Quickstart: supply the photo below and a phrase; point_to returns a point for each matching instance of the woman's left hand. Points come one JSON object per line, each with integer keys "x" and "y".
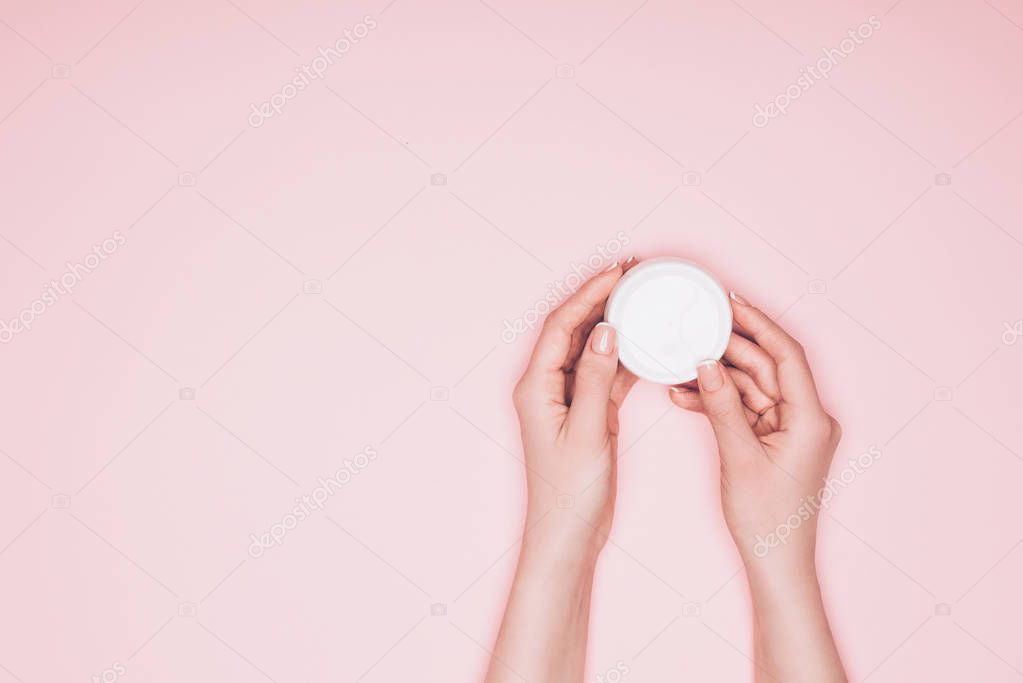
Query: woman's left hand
{"x": 567, "y": 401}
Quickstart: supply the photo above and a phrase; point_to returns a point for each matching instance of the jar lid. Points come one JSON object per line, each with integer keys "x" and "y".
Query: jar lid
{"x": 670, "y": 315}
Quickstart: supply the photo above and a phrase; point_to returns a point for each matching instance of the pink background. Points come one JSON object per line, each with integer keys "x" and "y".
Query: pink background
{"x": 127, "y": 510}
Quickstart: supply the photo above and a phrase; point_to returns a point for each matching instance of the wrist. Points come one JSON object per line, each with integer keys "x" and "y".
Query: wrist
{"x": 562, "y": 538}
{"x": 785, "y": 580}
{"x": 776, "y": 556}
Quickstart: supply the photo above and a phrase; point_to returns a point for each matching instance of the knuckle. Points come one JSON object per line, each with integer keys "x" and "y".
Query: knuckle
{"x": 520, "y": 392}
{"x": 552, "y": 321}
{"x": 836, "y": 429}
{"x": 795, "y": 349}
{"x": 821, "y": 427}
{"x": 559, "y": 318}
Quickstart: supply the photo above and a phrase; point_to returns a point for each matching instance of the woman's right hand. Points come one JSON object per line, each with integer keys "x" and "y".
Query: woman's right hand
{"x": 774, "y": 439}
{"x": 775, "y": 444}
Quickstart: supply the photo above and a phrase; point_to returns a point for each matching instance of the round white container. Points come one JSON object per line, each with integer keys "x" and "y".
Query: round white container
{"x": 670, "y": 315}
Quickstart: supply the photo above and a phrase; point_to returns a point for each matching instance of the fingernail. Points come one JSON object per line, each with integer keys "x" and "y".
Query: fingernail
{"x": 603, "y": 339}
{"x": 611, "y": 267}
{"x": 737, "y": 299}
{"x": 709, "y": 374}
{"x": 630, "y": 260}
{"x": 680, "y": 390}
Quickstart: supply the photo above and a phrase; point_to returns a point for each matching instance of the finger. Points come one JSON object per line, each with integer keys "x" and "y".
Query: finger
{"x": 554, "y": 342}
{"x": 580, "y": 336}
{"x": 582, "y": 332}
{"x": 754, "y": 362}
{"x": 795, "y": 381}
{"x": 544, "y": 379}
{"x": 686, "y": 397}
{"x": 594, "y": 378}
{"x": 753, "y": 397}
{"x": 624, "y": 381}
{"x": 689, "y": 399}
{"x": 727, "y": 415}
{"x": 754, "y": 400}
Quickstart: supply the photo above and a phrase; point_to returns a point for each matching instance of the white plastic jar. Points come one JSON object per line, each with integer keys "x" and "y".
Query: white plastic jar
{"x": 670, "y": 315}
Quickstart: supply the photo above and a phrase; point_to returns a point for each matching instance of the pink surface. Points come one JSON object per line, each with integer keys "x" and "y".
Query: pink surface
{"x": 279, "y": 297}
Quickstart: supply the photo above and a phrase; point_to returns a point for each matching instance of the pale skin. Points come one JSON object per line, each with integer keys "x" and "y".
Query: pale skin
{"x": 775, "y": 444}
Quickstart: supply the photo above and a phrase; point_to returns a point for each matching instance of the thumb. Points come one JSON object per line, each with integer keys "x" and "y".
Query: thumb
{"x": 724, "y": 408}
{"x": 594, "y": 377}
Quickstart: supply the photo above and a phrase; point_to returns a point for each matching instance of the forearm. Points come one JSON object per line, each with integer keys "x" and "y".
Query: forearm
{"x": 545, "y": 627}
{"x": 792, "y": 638}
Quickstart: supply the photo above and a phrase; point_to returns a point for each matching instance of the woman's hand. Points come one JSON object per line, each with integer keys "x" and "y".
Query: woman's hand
{"x": 775, "y": 443}
{"x": 774, "y": 437}
{"x": 567, "y": 402}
